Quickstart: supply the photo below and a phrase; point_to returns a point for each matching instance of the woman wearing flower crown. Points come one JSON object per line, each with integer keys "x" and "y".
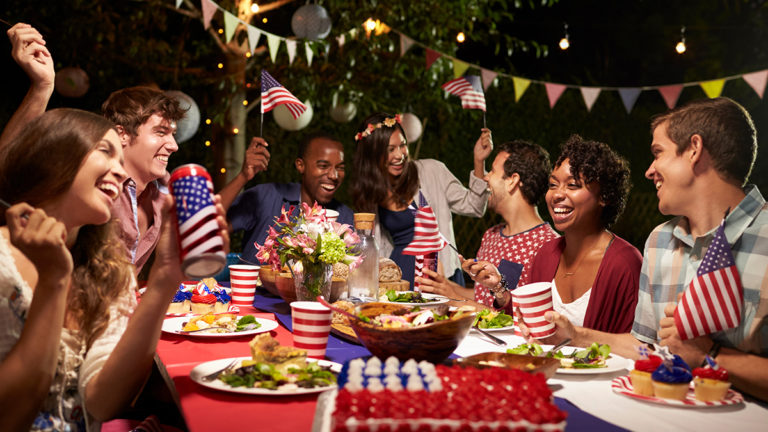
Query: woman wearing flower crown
{"x": 386, "y": 181}
{"x": 74, "y": 346}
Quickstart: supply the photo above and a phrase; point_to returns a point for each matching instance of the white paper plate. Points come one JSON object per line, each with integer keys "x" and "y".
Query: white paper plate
{"x": 623, "y": 386}
{"x": 613, "y": 364}
{"x": 206, "y": 368}
{"x": 434, "y": 299}
{"x": 174, "y": 326}
{"x": 499, "y": 329}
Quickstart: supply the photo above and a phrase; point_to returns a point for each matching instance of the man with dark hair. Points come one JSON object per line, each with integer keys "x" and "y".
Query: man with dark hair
{"x": 703, "y": 154}
{"x": 145, "y": 120}
{"x": 517, "y": 181}
{"x": 320, "y": 161}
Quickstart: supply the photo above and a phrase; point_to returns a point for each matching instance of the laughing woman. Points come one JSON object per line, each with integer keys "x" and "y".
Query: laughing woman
{"x": 594, "y": 273}
{"x": 386, "y": 181}
{"x": 74, "y": 346}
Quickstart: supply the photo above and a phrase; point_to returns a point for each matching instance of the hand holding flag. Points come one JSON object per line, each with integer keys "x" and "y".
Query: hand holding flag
{"x": 469, "y": 90}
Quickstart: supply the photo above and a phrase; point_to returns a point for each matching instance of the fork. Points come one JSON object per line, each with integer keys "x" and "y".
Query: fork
{"x": 202, "y": 329}
{"x": 213, "y": 375}
{"x": 492, "y": 338}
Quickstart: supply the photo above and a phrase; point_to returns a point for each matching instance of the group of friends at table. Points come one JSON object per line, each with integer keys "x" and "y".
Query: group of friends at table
{"x": 89, "y": 206}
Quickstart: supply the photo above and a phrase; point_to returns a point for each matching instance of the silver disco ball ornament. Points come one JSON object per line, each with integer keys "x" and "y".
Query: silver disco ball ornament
{"x": 311, "y": 22}
{"x": 187, "y": 127}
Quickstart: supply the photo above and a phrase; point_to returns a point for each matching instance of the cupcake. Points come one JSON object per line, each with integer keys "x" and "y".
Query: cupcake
{"x": 222, "y": 301}
{"x": 181, "y": 303}
{"x": 672, "y": 379}
{"x": 710, "y": 383}
{"x": 641, "y": 375}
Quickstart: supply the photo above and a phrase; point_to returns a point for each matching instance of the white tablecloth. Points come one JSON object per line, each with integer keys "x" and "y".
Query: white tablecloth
{"x": 593, "y": 394}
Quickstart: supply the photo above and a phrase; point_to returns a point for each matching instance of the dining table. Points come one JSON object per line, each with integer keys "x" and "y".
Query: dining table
{"x": 590, "y": 401}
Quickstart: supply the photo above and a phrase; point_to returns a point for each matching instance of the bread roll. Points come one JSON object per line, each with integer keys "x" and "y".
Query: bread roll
{"x": 389, "y": 271}
{"x": 340, "y": 271}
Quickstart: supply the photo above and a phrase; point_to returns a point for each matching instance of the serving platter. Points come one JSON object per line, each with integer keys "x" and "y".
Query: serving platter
{"x": 623, "y": 386}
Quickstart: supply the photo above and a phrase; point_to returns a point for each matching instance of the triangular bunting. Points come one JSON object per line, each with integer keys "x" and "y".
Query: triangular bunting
{"x": 670, "y": 94}
{"x": 488, "y": 76}
{"x": 254, "y": 35}
{"x": 290, "y": 45}
{"x": 209, "y": 8}
{"x": 405, "y": 44}
{"x": 459, "y": 67}
{"x": 713, "y": 88}
{"x": 554, "y": 91}
{"x": 629, "y": 96}
{"x": 757, "y": 80}
{"x": 521, "y": 85}
{"x": 590, "y": 94}
{"x": 308, "y": 50}
{"x": 230, "y": 24}
{"x": 273, "y": 42}
{"x": 178, "y": 3}
{"x": 341, "y": 39}
{"x": 431, "y": 57}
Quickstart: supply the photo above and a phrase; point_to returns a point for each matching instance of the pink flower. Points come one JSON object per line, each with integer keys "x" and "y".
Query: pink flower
{"x": 285, "y": 215}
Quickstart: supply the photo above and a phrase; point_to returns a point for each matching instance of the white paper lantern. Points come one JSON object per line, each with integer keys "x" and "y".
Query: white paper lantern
{"x": 412, "y": 127}
{"x": 343, "y": 112}
{"x": 285, "y": 120}
{"x": 187, "y": 127}
{"x": 71, "y": 82}
{"x": 312, "y": 22}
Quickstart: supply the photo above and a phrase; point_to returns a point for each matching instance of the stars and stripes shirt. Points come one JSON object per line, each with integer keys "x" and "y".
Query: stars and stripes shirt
{"x": 519, "y": 248}
{"x": 672, "y": 257}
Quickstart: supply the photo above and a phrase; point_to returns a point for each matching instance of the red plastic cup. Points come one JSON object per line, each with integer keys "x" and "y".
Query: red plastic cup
{"x": 243, "y": 279}
{"x": 311, "y": 327}
{"x": 534, "y": 300}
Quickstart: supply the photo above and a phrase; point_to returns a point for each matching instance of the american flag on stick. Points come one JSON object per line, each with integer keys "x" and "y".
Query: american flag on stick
{"x": 274, "y": 94}
{"x": 426, "y": 239}
{"x": 713, "y": 300}
{"x": 469, "y": 90}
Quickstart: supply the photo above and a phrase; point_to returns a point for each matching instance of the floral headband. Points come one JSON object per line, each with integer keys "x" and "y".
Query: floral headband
{"x": 388, "y": 122}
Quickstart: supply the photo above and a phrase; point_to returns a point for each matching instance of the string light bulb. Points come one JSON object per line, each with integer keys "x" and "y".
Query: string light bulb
{"x": 565, "y": 42}
{"x": 680, "y": 47}
{"x": 370, "y": 25}
{"x": 207, "y": 143}
{"x": 235, "y": 131}
{"x": 223, "y": 170}
{"x": 460, "y": 38}
{"x": 254, "y": 8}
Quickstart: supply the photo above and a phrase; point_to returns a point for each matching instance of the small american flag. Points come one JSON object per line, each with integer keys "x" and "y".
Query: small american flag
{"x": 713, "y": 300}
{"x": 469, "y": 90}
{"x": 273, "y": 94}
{"x": 426, "y": 236}
{"x": 198, "y": 229}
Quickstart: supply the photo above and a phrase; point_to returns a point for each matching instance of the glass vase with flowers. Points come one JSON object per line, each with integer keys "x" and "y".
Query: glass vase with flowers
{"x": 309, "y": 244}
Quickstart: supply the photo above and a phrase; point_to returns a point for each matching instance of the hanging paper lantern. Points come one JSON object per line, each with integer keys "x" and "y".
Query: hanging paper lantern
{"x": 285, "y": 120}
{"x": 187, "y": 127}
{"x": 343, "y": 112}
{"x": 71, "y": 82}
{"x": 312, "y": 22}
{"x": 412, "y": 127}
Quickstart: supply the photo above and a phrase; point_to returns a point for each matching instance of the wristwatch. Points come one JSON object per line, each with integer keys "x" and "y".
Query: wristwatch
{"x": 498, "y": 292}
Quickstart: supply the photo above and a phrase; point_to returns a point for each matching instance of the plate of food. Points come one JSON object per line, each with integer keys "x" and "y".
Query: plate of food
{"x": 340, "y": 323}
{"x": 490, "y": 320}
{"x": 218, "y": 325}
{"x": 597, "y": 359}
{"x": 623, "y": 386}
{"x": 413, "y": 298}
{"x": 272, "y": 369}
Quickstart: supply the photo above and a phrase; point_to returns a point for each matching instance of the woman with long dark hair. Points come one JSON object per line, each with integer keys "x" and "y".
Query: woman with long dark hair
{"x": 386, "y": 181}
{"x": 73, "y": 341}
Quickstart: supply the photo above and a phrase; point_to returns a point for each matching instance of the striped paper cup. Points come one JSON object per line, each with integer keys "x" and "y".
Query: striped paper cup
{"x": 534, "y": 300}
{"x": 311, "y": 326}
{"x": 243, "y": 279}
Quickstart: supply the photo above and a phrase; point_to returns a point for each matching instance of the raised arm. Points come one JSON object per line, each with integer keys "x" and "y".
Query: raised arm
{"x": 29, "y": 51}
{"x": 30, "y": 365}
{"x": 483, "y": 148}
{"x": 256, "y": 160}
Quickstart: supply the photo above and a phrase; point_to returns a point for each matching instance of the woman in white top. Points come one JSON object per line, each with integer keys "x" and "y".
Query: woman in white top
{"x": 74, "y": 346}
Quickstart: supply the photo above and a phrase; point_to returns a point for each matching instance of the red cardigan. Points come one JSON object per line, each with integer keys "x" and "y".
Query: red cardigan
{"x": 613, "y": 298}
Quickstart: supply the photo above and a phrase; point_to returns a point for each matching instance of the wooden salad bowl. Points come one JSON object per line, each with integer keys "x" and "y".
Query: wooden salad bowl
{"x": 433, "y": 342}
{"x": 285, "y": 287}
{"x": 268, "y": 279}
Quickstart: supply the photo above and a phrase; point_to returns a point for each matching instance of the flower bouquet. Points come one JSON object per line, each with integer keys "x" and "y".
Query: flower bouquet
{"x": 310, "y": 244}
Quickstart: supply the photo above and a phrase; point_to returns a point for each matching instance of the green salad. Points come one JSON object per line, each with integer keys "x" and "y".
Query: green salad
{"x": 248, "y": 322}
{"x": 593, "y": 357}
{"x": 264, "y": 375}
{"x": 489, "y": 319}
{"x": 405, "y": 297}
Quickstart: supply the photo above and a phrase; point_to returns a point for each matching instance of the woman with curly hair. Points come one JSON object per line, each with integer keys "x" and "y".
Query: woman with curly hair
{"x": 594, "y": 273}
{"x": 386, "y": 181}
{"x": 73, "y": 342}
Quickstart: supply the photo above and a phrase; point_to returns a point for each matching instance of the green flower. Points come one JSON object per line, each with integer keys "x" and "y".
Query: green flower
{"x": 332, "y": 248}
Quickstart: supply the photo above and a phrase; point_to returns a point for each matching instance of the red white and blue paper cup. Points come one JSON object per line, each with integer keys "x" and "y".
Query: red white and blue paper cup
{"x": 243, "y": 279}
{"x": 200, "y": 245}
{"x": 311, "y": 326}
{"x": 534, "y": 300}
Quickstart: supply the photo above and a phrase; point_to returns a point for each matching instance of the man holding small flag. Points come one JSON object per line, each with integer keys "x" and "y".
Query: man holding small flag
{"x": 704, "y": 280}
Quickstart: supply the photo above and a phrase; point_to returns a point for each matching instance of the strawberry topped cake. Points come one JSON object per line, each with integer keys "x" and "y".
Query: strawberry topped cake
{"x": 710, "y": 383}
{"x": 410, "y": 396}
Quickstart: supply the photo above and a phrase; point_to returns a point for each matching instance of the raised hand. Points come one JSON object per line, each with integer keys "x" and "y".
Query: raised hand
{"x": 29, "y": 51}
{"x": 484, "y": 145}
{"x": 41, "y": 238}
{"x": 256, "y": 158}
{"x": 482, "y": 272}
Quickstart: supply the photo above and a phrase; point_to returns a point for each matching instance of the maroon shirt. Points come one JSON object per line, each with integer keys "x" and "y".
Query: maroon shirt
{"x": 612, "y": 302}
